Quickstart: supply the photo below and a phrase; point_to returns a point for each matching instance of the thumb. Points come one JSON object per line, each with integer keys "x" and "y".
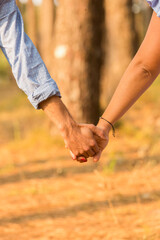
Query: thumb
{"x": 97, "y": 156}
{"x": 72, "y": 155}
{"x": 96, "y": 130}
{"x": 79, "y": 159}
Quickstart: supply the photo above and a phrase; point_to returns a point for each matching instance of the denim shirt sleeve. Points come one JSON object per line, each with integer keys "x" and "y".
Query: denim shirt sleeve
{"x": 27, "y": 66}
{"x": 155, "y": 5}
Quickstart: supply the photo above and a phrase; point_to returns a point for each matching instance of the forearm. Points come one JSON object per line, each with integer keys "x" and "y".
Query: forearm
{"x": 140, "y": 74}
{"x": 58, "y": 114}
{"x": 133, "y": 84}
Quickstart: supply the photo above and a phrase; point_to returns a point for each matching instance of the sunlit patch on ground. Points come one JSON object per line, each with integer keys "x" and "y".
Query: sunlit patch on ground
{"x": 45, "y": 195}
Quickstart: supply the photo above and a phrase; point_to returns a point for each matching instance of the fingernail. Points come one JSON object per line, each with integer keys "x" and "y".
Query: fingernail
{"x": 83, "y": 159}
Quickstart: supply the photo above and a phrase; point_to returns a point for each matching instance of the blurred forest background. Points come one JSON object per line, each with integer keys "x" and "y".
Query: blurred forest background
{"x": 86, "y": 46}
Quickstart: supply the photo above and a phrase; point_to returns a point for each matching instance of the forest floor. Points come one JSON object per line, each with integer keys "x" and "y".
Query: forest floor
{"x": 44, "y": 195}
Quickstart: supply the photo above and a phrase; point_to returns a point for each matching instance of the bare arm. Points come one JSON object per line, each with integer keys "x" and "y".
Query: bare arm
{"x": 78, "y": 138}
{"x": 140, "y": 74}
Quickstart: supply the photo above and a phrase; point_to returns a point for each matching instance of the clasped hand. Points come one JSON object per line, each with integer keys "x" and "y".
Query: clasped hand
{"x": 86, "y": 140}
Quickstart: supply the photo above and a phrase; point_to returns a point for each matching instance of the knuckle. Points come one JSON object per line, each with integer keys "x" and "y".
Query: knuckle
{"x": 92, "y": 144}
{"x": 81, "y": 152}
{"x": 86, "y": 149}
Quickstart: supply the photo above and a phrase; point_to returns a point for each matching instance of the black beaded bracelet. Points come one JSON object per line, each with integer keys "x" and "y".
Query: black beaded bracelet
{"x": 113, "y": 129}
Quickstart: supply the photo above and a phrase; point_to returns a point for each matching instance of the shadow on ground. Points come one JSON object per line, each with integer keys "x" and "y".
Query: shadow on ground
{"x": 121, "y": 200}
{"x": 120, "y": 165}
{"x": 47, "y": 173}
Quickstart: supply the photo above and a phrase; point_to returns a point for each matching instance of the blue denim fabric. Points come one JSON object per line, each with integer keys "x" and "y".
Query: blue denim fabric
{"x": 27, "y": 66}
{"x": 155, "y": 5}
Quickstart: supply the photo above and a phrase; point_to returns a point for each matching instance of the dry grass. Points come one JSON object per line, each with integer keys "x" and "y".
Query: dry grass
{"x": 45, "y": 195}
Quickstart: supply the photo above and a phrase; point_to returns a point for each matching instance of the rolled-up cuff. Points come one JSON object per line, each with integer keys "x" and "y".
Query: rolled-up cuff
{"x": 43, "y": 92}
{"x": 155, "y": 5}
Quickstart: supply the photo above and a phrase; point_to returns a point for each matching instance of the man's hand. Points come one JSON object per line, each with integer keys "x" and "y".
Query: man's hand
{"x": 78, "y": 138}
{"x": 81, "y": 141}
{"x": 101, "y": 135}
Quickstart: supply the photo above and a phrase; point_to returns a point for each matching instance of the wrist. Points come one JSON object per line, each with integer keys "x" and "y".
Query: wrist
{"x": 106, "y": 127}
{"x": 66, "y": 127}
{"x": 58, "y": 113}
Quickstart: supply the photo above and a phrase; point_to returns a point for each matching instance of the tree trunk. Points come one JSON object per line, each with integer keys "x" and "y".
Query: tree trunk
{"x": 46, "y": 31}
{"x": 31, "y": 21}
{"x": 79, "y": 55}
{"x": 120, "y": 43}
